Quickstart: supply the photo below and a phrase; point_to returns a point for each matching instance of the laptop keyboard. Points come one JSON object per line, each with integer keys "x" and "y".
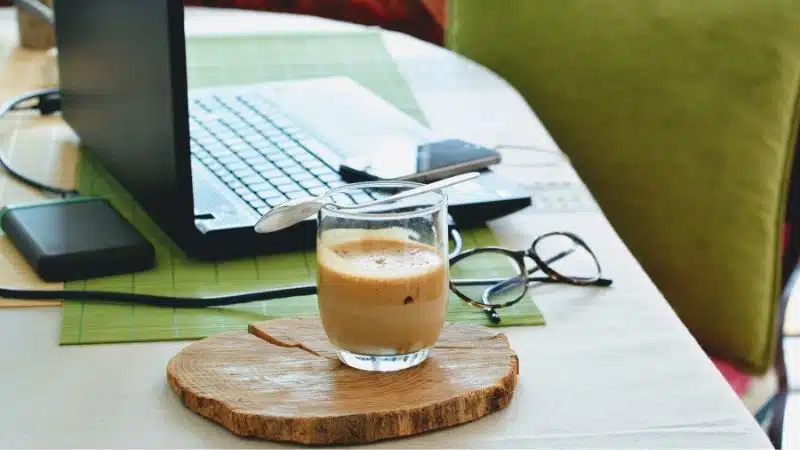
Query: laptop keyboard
{"x": 257, "y": 151}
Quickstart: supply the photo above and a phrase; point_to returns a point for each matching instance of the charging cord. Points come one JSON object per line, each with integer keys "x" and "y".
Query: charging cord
{"x": 164, "y": 301}
{"x": 46, "y": 101}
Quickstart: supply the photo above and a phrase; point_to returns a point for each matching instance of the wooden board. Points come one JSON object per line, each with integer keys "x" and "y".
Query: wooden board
{"x": 282, "y": 381}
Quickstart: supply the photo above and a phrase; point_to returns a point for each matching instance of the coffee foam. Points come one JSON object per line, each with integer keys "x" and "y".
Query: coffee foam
{"x": 379, "y": 257}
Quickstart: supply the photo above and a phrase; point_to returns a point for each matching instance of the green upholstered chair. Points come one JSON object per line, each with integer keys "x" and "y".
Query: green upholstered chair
{"x": 681, "y": 117}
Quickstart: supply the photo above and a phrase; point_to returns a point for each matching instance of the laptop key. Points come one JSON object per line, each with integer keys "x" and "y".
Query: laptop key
{"x": 267, "y": 194}
{"x": 296, "y": 194}
{"x": 308, "y": 184}
{"x": 206, "y": 139}
{"x": 251, "y": 179}
{"x": 269, "y": 130}
{"x": 290, "y": 187}
{"x": 264, "y": 209}
{"x": 291, "y": 164}
{"x": 284, "y": 164}
{"x": 220, "y": 153}
{"x": 295, "y": 170}
{"x": 311, "y": 163}
{"x": 329, "y": 176}
{"x": 281, "y": 180}
{"x": 242, "y": 173}
{"x": 267, "y": 170}
{"x": 251, "y": 133}
{"x": 281, "y": 140}
{"x": 239, "y": 147}
{"x": 318, "y": 190}
{"x": 238, "y": 124}
{"x": 301, "y": 176}
{"x": 257, "y": 203}
{"x": 249, "y": 197}
{"x": 275, "y": 201}
{"x": 255, "y": 187}
{"x": 249, "y": 154}
{"x": 224, "y": 153}
{"x": 236, "y": 165}
{"x": 258, "y": 141}
{"x": 321, "y": 171}
{"x": 280, "y": 157}
{"x": 256, "y": 163}
{"x": 296, "y": 153}
{"x": 224, "y": 134}
{"x": 266, "y": 148}
{"x": 305, "y": 156}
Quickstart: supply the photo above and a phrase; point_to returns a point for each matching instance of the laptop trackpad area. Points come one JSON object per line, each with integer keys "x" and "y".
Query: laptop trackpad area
{"x": 349, "y": 118}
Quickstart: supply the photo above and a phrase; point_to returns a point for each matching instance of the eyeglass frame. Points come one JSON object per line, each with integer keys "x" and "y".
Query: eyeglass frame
{"x": 552, "y": 276}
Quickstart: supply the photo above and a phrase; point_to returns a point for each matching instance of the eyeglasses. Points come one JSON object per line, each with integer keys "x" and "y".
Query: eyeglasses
{"x": 502, "y": 276}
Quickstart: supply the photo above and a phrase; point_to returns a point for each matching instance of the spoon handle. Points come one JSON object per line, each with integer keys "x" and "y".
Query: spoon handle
{"x": 417, "y": 190}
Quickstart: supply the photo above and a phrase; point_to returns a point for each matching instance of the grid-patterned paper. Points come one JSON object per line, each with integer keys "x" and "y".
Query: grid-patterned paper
{"x": 227, "y": 60}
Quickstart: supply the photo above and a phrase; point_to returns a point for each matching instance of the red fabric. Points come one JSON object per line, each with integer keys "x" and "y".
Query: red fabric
{"x": 738, "y": 381}
{"x": 423, "y": 19}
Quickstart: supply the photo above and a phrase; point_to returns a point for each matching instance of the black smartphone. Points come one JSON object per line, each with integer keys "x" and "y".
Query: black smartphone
{"x": 428, "y": 162}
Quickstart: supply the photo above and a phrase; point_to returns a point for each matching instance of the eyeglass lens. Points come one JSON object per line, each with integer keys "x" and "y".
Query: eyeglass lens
{"x": 576, "y": 262}
{"x": 510, "y": 282}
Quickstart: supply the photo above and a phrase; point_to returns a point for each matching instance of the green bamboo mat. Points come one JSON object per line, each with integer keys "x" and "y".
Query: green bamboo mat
{"x": 229, "y": 60}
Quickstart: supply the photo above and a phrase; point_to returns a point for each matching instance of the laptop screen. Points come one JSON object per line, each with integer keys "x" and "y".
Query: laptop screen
{"x": 123, "y": 81}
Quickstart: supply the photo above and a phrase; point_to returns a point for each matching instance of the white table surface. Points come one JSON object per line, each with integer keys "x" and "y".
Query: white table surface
{"x": 613, "y": 368}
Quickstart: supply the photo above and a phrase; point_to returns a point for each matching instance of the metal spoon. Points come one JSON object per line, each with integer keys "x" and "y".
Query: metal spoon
{"x": 296, "y": 210}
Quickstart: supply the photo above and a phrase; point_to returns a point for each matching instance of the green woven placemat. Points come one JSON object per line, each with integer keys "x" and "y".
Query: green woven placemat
{"x": 227, "y": 60}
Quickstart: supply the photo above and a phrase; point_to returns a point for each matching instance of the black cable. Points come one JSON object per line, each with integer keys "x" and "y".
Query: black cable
{"x": 46, "y": 101}
{"x": 159, "y": 300}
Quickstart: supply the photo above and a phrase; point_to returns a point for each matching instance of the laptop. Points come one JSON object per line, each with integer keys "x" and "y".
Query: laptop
{"x": 206, "y": 164}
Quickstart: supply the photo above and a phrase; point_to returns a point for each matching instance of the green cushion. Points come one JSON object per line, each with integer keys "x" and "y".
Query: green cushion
{"x": 681, "y": 118}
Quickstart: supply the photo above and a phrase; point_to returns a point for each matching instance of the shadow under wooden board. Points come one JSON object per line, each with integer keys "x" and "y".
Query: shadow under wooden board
{"x": 245, "y": 59}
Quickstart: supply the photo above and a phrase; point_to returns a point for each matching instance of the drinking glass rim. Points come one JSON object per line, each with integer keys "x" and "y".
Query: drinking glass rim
{"x": 355, "y": 214}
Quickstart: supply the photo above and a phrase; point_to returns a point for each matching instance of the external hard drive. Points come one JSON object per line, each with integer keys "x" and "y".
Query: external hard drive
{"x": 76, "y": 238}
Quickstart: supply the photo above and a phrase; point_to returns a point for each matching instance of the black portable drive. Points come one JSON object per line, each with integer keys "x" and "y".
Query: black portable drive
{"x": 76, "y": 238}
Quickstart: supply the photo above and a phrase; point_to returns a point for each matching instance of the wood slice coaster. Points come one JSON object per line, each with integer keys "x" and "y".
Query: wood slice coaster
{"x": 282, "y": 381}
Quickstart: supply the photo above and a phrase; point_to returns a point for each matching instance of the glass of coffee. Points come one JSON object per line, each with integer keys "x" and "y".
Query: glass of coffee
{"x": 382, "y": 275}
